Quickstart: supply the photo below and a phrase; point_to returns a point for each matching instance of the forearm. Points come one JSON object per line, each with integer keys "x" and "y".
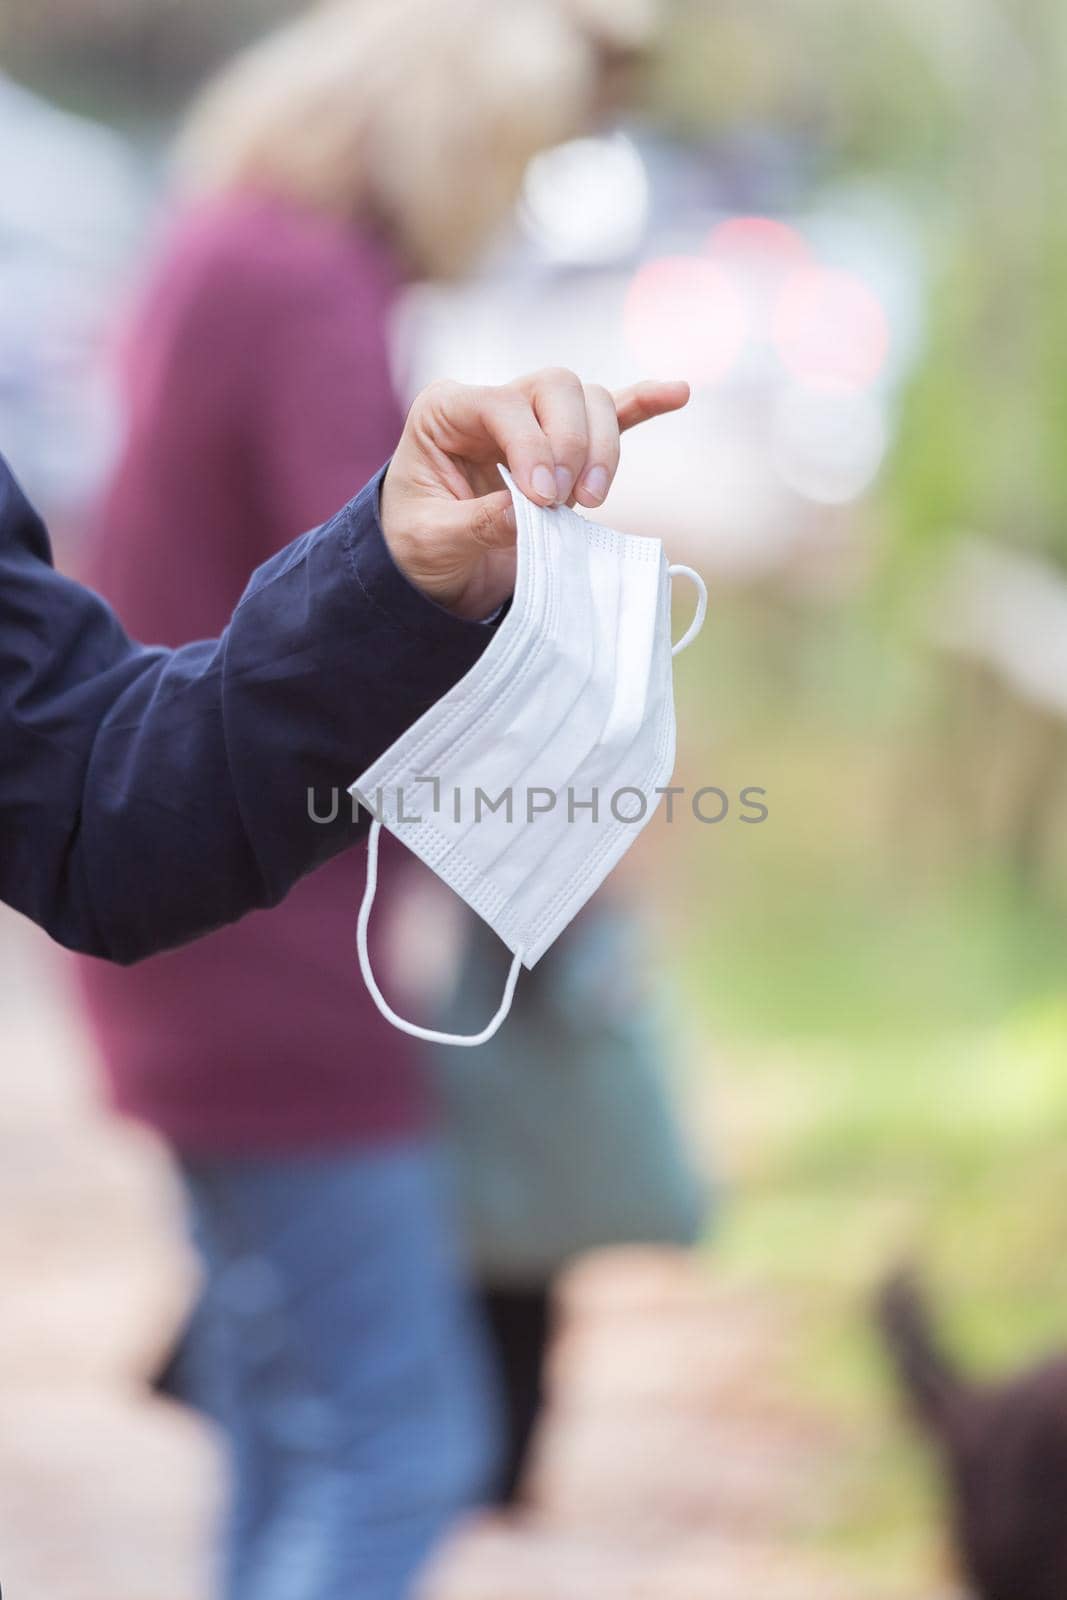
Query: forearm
{"x": 147, "y": 796}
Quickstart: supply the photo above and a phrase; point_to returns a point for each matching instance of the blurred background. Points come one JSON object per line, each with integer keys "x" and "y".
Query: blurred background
{"x": 838, "y": 221}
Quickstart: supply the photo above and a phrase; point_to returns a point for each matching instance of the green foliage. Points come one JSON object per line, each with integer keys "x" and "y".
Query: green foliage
{"x": 889, "y": 1046}
{"x": 859, "y": 80}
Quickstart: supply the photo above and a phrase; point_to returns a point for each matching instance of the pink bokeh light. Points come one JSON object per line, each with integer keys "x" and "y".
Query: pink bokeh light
{"x": 685, "y": 317}
{"x": 830, "y": 328}
{"x": 769, "y": 245}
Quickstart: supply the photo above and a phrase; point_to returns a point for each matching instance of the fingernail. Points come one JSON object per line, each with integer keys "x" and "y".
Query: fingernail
{"x": 564, "y": 485}
{"x": 543, "y": 481}
{"x": 595, "y": 482}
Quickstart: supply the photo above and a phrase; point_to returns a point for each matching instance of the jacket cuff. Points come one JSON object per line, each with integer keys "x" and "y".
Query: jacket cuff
{"x": 385, "y": 587}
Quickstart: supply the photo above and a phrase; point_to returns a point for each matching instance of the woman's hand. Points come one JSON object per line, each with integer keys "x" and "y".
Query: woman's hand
{"x": 448, "y": 521}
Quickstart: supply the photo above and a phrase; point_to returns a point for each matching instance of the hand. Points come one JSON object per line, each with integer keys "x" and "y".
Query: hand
{"x": 447, "y": 518}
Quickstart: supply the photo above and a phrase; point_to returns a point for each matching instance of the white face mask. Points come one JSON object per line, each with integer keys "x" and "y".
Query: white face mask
{"x": 565, "y": 725}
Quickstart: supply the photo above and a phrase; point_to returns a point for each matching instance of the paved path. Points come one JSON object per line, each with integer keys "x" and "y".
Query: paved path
{"x": 671, "y": 1469}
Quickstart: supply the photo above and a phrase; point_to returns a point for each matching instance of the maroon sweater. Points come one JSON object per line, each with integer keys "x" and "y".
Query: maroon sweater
{"x": 258, "y": 400}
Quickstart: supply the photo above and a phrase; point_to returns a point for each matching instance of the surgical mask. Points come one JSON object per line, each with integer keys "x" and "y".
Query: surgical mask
{"x": 529, "y": 780}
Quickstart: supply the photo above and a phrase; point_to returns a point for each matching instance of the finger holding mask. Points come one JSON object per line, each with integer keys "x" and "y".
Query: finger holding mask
{"x": 450, "y": 524}
{"x": 525, "y": 784}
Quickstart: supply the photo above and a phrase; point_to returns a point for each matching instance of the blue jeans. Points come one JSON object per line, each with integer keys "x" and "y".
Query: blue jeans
{"x": 335, "y": 1344}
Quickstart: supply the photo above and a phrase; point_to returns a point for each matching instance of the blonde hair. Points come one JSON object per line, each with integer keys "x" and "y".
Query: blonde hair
{"x": 420, "y": 113}
{"x": 617, "y": 24}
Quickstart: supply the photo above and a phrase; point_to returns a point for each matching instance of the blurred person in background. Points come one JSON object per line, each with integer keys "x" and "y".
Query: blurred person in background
{"x": 334, "y": 1338}
{"x": 623, "y": 35}
{"x": 561, "y": 1134}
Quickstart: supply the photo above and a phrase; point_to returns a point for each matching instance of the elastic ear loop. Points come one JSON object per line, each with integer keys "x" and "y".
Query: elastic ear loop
{"x": 678, "y": 571}
{"x": 430, "y": 1034}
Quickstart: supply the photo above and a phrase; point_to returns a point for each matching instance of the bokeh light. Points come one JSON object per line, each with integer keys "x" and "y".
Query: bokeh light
{"x": 685, "y": 317}
{"x": 830, "y": 328}
{"x": 827, "y": 444}
{"x": 586, "y": 201}
{"x": 759, "y": 243}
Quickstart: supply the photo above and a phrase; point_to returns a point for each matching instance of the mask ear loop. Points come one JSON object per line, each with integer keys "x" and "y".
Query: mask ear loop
{"x": 430, "y": 1034}
{"x": 679, "y": 571}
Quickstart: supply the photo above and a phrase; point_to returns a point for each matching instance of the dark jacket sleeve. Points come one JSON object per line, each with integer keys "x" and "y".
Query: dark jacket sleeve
{"x": 147, "y": 795}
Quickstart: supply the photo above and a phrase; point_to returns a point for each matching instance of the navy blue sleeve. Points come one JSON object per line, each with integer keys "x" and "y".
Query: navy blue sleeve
{"x": 148, "y": 795}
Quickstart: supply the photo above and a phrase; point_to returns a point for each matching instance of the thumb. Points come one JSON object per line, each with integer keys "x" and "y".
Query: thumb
{"x": 488, "y": 521}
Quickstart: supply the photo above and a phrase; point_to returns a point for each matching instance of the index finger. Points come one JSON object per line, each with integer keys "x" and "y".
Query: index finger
{"x": 643, "y": 401}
